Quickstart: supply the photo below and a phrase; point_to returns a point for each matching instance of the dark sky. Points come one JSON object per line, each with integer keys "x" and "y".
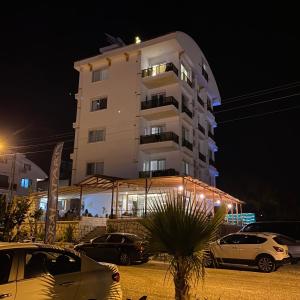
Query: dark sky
{"x": 249, "y": 48}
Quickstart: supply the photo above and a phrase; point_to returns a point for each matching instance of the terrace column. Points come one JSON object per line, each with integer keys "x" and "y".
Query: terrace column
{"x": 80, "y": 200}
{"x": 117, "y": 199}
{"x": 146, "y": 194}
{"x": 237, "y": 213}
{"x": 112, "y": 201}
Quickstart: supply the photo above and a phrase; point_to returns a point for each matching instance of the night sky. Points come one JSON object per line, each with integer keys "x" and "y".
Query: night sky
{"x": 248, "y": 48}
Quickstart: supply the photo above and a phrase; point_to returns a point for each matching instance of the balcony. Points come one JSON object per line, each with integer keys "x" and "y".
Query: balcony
{"x": 201, "y": 102}
{"x": 187, "y": 144}
{"x": 162, "y": 142}
{"x": 202, "y": 157}
{"x": 186, "y": 110}
{"x": 158, "y": 173}
{"x": 212, "y": 163}
{"x": 186, "y": 79}
{"x": 160, "y": 75}
{"x": 210, "y": 109}
{"x": 201, "y": 128}
{"x": 211, "y": 135}
{"x": 160, "y": 107}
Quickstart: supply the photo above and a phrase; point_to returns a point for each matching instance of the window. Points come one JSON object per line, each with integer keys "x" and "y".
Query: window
{"x": 158, "y": 96}
{"x": 96, "y": 135}
{"x": 42, "y": 262}
{"x": 99, "y": 104}
{"x": 185, "y": 133}
{"x": 185, "y": 167}
{"x": 26, "y": 183}
{"x": 157, "y": 129}
{"x": 232, "y": 239}
{"x": 99, "y": 75}
{"x": 115, "y": 238}
{"x": 100, "y": 239}
{"x": 158, "y": 69}
{"x": 94, "y": 168}
{"x": 186, "y": 74}
{"x": 5, "y": 263}
{"x": 154, "y": 165}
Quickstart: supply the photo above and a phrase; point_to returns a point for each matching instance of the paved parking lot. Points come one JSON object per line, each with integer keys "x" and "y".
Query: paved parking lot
{"x": 150, "y": 279}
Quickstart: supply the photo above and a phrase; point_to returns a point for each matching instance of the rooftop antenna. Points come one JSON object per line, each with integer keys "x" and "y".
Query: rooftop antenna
{"x": 114, "y": 42}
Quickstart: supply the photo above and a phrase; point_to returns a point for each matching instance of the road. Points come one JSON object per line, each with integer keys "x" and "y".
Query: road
{"x": 151, "y": 279}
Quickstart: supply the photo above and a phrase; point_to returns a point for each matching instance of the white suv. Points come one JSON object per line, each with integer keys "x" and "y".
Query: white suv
{"x": 260, "y": 249}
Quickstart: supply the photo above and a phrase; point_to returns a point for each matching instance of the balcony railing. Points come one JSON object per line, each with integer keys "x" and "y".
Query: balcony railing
{"x": 200, "y": 101}
{"x": 202, "y": 157}
{"x": 158, "y": 173}
{"x": 209, "y": 108}
{"x": 186, "y": 79}
{"x": 187, "y": 111}
{"x": 159, "y": 101}
{"x": 159, "y": 69}
{"x": 210, "y": 135}
{"x": 212, "y": 163}
{"x": 160, "y": 137}
{"x": 187, "y": 144}
{"x": 201, "y": 128}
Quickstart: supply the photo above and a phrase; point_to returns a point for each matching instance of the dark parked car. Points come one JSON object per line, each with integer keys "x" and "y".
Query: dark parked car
{"x": 121, "y": 248}
{"x": 288, "y": 228}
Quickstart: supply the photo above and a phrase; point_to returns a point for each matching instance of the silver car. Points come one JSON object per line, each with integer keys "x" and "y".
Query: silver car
{"x": 43, "y": 272}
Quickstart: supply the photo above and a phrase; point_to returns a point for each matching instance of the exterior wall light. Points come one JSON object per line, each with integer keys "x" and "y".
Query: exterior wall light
{"x": 137, "y": 40}
{"x": 229, "y": 205}
{"x": 180, "y": 188}
{"x": 202, "y": 196}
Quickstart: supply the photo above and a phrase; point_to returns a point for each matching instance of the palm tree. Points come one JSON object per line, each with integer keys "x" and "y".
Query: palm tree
{"x": 183, "y": 230}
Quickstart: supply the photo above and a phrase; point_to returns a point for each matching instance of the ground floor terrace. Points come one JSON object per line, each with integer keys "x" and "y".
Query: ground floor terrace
{"x": 114, "y": 198}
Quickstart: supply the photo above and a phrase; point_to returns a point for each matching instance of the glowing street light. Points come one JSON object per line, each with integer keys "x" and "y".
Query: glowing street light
{"x": 137, "y": 40}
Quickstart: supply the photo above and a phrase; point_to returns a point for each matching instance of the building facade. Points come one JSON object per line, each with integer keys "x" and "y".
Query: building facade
{"x": 19, "y": 175}
{"x": 146, "y": 110}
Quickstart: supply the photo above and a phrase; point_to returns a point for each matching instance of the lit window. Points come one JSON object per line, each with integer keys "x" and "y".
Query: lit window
{"x": 154, "y": 165}
{"x": 98, "y": 104}
{"x": 185, "y": 167}
{"x": 186, "y": 74}
{"x": 94, "y": 168}
{"x": 26, "y": 183}
{"x": 96, "y": 135}
{"x": 157, "y": 129}
{"x": 99, "y": 75}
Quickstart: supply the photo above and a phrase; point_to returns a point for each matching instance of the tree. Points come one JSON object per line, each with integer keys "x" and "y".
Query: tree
{"x": 182, "y": 230}
{"x": 12, "y": 215}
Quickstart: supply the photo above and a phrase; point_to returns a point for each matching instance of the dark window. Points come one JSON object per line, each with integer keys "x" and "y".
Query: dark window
{"x": 232, "y": 239}
{"x": 42, "y": 262}
{"x": 98, "y": 104}
{"x": 252, "y": 239}
{"x": 5, "y": 266}
{"x": 100, "y": 239}
{"x": 284, "y": 240}
{"x": 115, "y": 238}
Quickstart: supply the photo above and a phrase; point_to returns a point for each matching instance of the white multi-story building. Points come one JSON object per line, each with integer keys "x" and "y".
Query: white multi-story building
{"x": 146, "y": 109}
{"x": 18, "y": 175}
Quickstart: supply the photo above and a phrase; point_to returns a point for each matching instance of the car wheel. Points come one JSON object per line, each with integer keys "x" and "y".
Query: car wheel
{"x": 209, "y": 261}
{"x": 266, "y": 264}
{"x": 124, "y": 259}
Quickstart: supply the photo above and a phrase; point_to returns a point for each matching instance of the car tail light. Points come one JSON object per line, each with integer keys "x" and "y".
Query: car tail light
{"x": 278, "y": 249}
{"x": 116, "y": 277}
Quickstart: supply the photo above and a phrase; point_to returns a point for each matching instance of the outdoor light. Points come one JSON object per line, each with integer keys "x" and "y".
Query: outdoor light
{"x": 218, "y": 202}
{"x": 229, "y": 205}
{"x": 137, "y": 40}
{"x": 202, "y": 196}
{"x": 180, "y": 188}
